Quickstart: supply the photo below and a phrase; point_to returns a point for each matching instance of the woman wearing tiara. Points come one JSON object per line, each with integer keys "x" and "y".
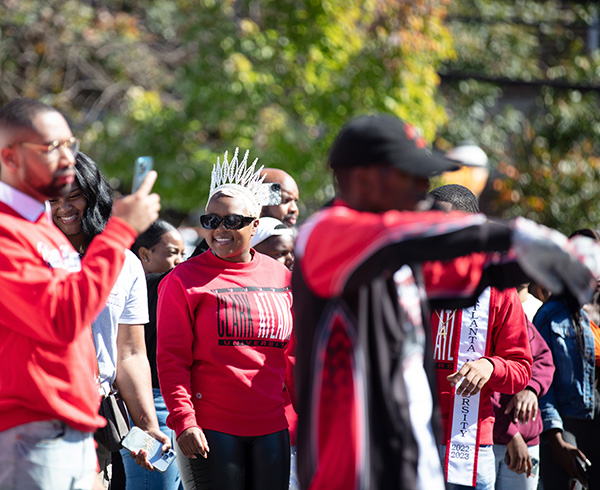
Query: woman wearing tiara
{"x": 224, "y": 322}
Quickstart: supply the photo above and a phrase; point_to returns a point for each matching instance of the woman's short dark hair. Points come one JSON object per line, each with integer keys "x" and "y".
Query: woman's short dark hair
{"x": 461, "y": 198}
{"x": 97, "y": 193}
{"x": 152, "y": 235}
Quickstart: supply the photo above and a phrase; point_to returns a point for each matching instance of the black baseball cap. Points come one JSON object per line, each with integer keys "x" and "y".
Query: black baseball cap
{"x": 386, "y": 139}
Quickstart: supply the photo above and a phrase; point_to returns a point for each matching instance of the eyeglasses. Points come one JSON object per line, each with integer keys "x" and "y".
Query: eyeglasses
{"x": 72, "y": 144}
{"x": 230, "y": 222}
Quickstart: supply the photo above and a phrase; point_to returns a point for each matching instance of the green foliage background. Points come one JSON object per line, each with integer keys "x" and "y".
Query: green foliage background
{"x": 545, "y": 154}
{"x": 185, "y": 80}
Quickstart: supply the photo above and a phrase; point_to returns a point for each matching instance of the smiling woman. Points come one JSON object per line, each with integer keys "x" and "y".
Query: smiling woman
{"x": 118, "y": 330}
{"x": 84, "y": 212}
{"x": 230, "y": 243}
{"x": 224, "y": 325}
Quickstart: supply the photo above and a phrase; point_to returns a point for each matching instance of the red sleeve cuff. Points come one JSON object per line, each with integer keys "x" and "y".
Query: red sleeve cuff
{"x": 183, "y": 422}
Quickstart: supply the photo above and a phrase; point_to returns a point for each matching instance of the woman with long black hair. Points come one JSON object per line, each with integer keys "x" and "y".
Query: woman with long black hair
{"x": 118, "y": 330}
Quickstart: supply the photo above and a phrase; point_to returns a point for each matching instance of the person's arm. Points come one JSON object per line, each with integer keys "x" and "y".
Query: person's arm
{"x": 543, "y": 365}
{"x": 511, "y": 355}
{"x": 525, "y": 403}
{"x": 133, "y": 376}
{"x": 68, "y": 301}
{"x": 65, "y": 302}
{"x": 565, "y": 453}
{"x": 135, "y": 385}
{"x": 519, "y": 460}
{"x": 547, "y": 403}
{"x": 384, "y": 242}
{"x": 506, "y": 431}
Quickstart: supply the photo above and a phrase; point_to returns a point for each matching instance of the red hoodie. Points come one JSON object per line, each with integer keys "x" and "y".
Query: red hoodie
{"x": 222, "y": 329}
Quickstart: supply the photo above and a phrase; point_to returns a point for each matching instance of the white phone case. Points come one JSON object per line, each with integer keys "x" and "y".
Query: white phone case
{"x": 137, "y": 439}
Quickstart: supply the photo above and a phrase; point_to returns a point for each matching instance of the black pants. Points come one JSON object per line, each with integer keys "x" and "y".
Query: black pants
{"x": 239, "y": 463}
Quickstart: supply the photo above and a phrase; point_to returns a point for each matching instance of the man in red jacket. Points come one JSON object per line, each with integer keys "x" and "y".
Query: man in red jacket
{"x": 48, "y": 394}
{"x": 363, "y": 356}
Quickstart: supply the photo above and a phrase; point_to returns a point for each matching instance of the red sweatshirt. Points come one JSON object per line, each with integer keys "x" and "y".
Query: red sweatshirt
{"x": 507, "y": 349}
{"x": 48, "y": 300}
{"x": 222, "y": 331}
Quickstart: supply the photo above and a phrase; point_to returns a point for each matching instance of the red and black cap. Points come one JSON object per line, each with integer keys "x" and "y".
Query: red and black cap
{"x": 386, "y": 140}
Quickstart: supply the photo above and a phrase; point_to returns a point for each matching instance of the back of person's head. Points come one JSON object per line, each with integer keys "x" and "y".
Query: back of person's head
{"x": 384, "y": 139}
{"x": 152, "y": 235}
{"x": 458, "y": 196}
{"x": 97, "y": 193}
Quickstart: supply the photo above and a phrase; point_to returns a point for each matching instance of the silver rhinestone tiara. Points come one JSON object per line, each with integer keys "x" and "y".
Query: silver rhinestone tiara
{"x": 238, "y": 175}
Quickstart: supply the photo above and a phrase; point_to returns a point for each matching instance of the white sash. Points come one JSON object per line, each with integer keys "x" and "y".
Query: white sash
{"x": 462, "y": 451}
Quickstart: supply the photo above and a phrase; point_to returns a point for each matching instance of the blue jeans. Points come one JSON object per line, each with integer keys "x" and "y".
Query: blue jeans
{"x": 136, "y": 477}
{"x": 486, "y": 470}
{"x": 46, "y": 455}
{"x": 509, "y": 480}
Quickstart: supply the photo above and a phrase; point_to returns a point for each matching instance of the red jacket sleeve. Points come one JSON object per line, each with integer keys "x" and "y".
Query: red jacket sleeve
{"x": 348, "y": 247}
{"x": 510, "y": 354}
{"x": 65, "y": 302}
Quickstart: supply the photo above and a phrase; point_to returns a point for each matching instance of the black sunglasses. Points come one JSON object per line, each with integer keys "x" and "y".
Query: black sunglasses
{"x": 230, "y": 222}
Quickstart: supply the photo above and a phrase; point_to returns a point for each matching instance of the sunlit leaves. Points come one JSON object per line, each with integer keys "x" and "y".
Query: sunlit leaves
{"x": 543, "y": 143}
{"x": 185, "y": 80}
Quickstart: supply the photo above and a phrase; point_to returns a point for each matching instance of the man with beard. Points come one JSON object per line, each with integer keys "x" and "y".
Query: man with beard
{"x": 48, "y": 395}
{"x": 287, "y": 211}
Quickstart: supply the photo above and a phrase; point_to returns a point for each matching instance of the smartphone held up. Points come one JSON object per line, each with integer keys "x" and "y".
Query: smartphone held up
{"x": 143, "y": 165}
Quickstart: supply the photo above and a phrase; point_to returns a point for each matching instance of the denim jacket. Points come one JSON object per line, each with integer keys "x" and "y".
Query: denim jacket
{"x": 571, "y": 394}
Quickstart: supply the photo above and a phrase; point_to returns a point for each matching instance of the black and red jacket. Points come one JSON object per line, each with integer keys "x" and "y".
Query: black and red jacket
{"x": 352, "y": 331}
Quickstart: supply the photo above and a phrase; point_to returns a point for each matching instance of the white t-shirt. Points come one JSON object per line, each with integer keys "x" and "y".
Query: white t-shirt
{"x": 127, "y": 304}
{"x": 531, "y": 305}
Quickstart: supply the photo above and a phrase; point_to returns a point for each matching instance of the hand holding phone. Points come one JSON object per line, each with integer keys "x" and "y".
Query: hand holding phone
{"x": 136, "y": 440}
